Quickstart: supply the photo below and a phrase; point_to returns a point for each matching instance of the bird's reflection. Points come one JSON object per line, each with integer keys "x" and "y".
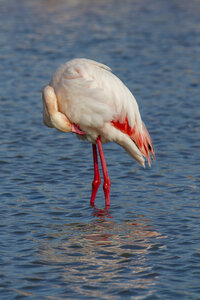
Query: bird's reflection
{"x": 102, "y": 250}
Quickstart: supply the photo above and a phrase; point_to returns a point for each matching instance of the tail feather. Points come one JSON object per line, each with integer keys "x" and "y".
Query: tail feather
{"x": 141, "y": 138}
{"x": 143, "y": 141}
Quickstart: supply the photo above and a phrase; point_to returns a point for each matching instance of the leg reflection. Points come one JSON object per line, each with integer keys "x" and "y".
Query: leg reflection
{"x": 101, "y": 213}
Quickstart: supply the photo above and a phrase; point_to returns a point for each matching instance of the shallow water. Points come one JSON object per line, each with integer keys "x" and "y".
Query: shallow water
{"x": 53, "y": 245}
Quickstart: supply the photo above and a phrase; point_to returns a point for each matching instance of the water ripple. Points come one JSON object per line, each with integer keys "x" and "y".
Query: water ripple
{"x": 53, "y": 245}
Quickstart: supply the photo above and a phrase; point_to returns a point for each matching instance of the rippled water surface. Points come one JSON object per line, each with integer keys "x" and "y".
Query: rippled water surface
{"x": 53, "y": 245}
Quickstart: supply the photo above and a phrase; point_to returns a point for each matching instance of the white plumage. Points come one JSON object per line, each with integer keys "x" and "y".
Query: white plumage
{"x": 87, "y": 94}
{"x": 93, "y": 95}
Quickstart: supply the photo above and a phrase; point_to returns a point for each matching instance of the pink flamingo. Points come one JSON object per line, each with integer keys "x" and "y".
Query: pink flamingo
{"x": 86, "y": 98}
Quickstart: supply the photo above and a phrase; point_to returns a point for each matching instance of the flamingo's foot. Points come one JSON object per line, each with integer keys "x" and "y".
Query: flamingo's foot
{"x": 101, "y": 212}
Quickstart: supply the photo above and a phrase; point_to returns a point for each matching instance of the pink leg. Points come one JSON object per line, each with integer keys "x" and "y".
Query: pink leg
{"x": 97, "y": 179}
{"x": 77, "y": 130}
{"x": 107, "y": 183}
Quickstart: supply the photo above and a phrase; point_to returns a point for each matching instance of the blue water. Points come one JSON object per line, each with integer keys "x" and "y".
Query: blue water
{"x": 53, "y": 245}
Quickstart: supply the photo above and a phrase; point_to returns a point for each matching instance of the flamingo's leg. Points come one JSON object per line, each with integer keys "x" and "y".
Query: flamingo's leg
{"x": 107, "y": 183}
{"x": 97, "y": 179}
{"x": 77, "y": 130}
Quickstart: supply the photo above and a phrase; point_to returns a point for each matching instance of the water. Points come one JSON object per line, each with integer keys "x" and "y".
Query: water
{"x": 53, "y": 245}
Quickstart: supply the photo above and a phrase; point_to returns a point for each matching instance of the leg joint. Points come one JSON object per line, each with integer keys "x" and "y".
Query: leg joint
{"x": 107, "y": 185}
{"x": 96, "y": 182}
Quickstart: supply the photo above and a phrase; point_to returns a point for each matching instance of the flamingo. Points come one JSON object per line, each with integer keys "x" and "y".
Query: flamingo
{"x": 86, "y": 98}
